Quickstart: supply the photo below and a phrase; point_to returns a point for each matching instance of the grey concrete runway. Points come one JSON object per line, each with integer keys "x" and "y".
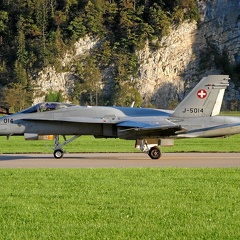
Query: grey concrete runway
{"x": 120, "y": 160}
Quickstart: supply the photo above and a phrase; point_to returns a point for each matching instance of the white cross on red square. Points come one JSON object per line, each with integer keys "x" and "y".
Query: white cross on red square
{"x": 201, "y": 93}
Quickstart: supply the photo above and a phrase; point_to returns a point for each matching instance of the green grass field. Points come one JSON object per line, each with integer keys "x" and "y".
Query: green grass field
{"x": 17, "y": 144}
{"x": 120, "y": 204}
{"x": 141, "y": 203}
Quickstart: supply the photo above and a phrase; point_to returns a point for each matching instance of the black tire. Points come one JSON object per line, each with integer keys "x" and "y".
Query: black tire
{"x": 58, "y": 153}
{"x": 155, "y": 153}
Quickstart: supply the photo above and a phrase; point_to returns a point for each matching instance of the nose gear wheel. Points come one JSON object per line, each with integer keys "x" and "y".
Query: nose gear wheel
{"x": 58, "y": 153}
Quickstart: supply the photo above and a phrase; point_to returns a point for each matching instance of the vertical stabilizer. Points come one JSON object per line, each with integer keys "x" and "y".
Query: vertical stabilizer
{"x": 205, "y": 99}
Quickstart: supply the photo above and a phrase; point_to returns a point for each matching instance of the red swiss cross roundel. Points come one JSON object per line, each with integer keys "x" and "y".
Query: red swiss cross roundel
{"x": 201, "y": 93}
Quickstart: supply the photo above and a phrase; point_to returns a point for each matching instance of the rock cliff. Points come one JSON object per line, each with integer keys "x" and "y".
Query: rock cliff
{"x": 183, "y": 57}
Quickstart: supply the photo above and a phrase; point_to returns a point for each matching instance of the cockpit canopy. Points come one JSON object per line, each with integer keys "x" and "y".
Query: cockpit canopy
{"x": 46, "y": 106}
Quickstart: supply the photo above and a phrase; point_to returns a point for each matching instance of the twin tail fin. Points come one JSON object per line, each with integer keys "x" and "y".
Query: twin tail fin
{"x": 205, "y": 99}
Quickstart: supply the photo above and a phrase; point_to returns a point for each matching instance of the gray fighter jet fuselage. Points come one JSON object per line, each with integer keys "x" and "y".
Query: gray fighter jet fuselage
{"x": 195, "y": 116}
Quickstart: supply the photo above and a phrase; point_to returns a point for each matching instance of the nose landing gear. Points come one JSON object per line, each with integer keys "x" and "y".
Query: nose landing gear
{"x": 58, "y": 151}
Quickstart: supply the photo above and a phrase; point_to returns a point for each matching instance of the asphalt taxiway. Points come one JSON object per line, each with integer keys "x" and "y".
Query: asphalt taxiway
{"x": 120, "y": 160}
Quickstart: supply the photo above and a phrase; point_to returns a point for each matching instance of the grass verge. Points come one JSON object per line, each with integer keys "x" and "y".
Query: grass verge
{"x": 17, "y": 144}
{"x": 119, "y": 204}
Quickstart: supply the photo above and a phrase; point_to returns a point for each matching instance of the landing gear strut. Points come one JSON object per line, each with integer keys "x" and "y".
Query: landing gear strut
{"x": 58, "y": 151}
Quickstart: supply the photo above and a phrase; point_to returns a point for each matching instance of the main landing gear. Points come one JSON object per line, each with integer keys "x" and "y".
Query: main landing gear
{"x": 155, "y": 153}
{"x": 58, "y": 151}
{"x": 152, "y": 150}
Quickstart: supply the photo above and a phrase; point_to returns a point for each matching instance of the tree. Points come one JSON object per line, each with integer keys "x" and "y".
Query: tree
{"x": 125, "y": 94}
{"x": 3, "y": 24}
{"x": 76, "y": 93}
{"x": 110, "y": 15}
{"x": 22, "y": 54}
{"x": 93, "y": 20}
{"x": 17, "y": 97}
{"x": 104, "y": 54}
{"x": 159, "y": 20}
{"x": 126, "y": 65}
{"x": 67, "y": 4}
{"x": 185, "y": 9}
{"x": 91, "y": 78}
{"x": 54, "y": 47}
{"x": 53, "y": 96}
{"x": 42, "y": 23}
{"x": 77, "y": 28}
{"x": 20, "y": 74}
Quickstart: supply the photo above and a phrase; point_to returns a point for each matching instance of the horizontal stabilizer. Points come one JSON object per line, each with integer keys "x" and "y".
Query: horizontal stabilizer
{"x": 150, "y": 132}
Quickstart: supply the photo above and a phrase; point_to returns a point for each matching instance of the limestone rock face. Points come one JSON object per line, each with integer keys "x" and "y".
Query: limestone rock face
{"x": 166, "y": 74}
{"x": 169, "y": 72}
{"x": 162, "y": 72}
{"x": 50, "y": 78}
{"x": 220, "y": 24}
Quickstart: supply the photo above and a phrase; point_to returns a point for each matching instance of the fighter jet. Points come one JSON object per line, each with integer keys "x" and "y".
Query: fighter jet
{"x": 195, "y": 116}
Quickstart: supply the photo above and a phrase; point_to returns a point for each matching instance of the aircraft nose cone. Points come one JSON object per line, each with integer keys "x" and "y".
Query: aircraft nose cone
{"x": 3, "y": 129}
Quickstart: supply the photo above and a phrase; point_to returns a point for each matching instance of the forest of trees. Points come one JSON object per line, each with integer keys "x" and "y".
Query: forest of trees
{"x": 36, "y": 33}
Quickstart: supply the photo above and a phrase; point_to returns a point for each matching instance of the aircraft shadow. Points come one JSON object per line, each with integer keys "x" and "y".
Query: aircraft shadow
{"x": 6, "y": 157}
{"x": 12, "y": 157}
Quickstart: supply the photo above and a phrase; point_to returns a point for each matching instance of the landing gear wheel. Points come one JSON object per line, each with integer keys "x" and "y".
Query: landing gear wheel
{"x": 58, "y": 153}
{"x": 155, "y": 153}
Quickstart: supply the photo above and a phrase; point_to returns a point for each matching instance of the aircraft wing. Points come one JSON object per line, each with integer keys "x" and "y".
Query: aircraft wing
{"x": 66, "y": 119}
{"x": 126, "y": 129}
{"x": 142, "y": 130}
